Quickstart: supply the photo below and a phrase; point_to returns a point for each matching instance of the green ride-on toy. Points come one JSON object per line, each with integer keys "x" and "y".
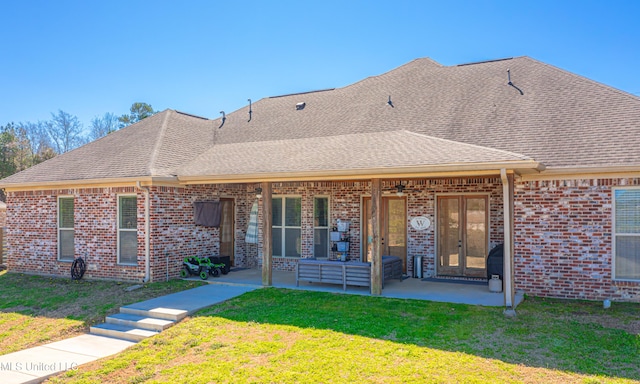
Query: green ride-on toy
{"x": 201, "y": 266}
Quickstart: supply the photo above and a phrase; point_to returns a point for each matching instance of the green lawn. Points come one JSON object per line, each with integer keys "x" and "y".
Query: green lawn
{"x": 287, "y": 336}
{"x": 35, "y": 310}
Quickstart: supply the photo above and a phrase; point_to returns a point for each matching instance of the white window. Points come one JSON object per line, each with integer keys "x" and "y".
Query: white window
{"x": 127, "y": 229}
{"x": 286, "y": 226}
{"x": 626, "y": 229}
{"x": 321, "y": 227}
{"x": 66, "y": 233}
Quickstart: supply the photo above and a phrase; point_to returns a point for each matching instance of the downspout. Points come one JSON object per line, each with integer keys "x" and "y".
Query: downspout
{"x": 508, "y": 241}
{"x": 147, "y": 232}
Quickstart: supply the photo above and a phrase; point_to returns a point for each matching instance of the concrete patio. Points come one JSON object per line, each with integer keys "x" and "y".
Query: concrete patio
{"x": 409, "y": 288}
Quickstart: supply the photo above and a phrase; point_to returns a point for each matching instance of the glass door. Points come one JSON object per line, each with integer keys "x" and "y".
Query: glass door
{"x": 394, "y": 229}
{"x": 227, "y": 224}
{"x": 462, "y": 235}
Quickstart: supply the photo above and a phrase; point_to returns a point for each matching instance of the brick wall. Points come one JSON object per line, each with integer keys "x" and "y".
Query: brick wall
{"x": 346, "y": 199}
{"x": 563, "y": 240}
{"x": 421, "y": 201}
{"x": 174, "y": 234}
{"x": 32, "y": 237}
{"x": 3, "y": 223}
{"x": 344, "y": 203}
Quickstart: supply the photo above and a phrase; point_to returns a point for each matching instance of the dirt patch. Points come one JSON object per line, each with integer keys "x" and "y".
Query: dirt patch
{"x": 629, "y": 326}
{"x": 19, "y": 308}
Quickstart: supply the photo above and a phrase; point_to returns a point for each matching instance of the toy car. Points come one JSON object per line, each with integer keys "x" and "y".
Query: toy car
{"x": 202, "y": 267}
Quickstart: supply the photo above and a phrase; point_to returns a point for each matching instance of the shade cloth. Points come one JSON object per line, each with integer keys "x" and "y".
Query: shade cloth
{"x": 207, "y": 213}
{"x": 252, "y": 229}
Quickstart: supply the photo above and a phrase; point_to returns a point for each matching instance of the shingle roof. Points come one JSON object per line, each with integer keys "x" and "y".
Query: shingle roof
{"x": 374, "y": 152}
{"x": 560, "y": 119}
{"x": 156, "y": 146}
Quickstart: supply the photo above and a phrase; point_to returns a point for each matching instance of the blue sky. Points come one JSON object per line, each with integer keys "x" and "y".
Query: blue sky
{"x": 91, "y": 57}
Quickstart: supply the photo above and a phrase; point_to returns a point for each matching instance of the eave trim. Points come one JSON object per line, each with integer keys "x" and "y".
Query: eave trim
{"x": 92, "y": 183}
{"x": 567, "y": 173}
{"x": 449, "y": 170}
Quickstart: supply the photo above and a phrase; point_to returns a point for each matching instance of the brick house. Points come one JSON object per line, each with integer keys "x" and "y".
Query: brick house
{"x": 424, "y": 160}
{"x": 3, "y": 224}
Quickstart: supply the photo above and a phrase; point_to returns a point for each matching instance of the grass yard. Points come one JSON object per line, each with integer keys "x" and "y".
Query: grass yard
{"x": 288, "y": 336}
{"x": 35, "y": 310}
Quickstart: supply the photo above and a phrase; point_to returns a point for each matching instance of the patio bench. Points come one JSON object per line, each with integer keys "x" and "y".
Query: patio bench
{"x": 346, "y": 272}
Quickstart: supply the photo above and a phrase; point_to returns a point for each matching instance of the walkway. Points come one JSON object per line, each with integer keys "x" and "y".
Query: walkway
{"x": 410, "y": 288}
{"x": 34, "y": 365}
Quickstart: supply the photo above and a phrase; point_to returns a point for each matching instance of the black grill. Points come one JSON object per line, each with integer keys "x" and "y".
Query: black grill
{"x": 495, "y": 261}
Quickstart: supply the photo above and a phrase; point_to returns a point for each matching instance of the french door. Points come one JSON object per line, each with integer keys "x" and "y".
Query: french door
{"x": 393, "y": 226}
{"x": 463, "y": 223}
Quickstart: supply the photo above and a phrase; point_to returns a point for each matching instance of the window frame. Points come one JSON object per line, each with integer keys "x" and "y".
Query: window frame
{"x": 614, "y": 233}
{"x": 283, "y": 227}
{"x": 327, "y": 228}
{"x": 61, "y": 229}
{"x": 120, "y": 230}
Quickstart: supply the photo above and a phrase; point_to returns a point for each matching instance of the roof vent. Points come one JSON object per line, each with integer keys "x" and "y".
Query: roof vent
{"x": 300, "y": 106}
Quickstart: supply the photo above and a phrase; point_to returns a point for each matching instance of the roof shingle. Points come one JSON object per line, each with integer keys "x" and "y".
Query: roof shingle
{"x": 352, "y": 152}
{"x": 560, "y": 119}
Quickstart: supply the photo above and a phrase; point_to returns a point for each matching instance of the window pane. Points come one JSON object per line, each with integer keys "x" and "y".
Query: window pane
{"x": 67, "y": 249}
{"x": 293, "y": 206}
{"x": 65, "y": 212}
{"x": 293, "y": 242}
{"x": 320, "y": 243}
{"x": 128, "y": 247}
{"x": 276, "y": 241}
{"x": 128, "y": 212}
{"x": 321, "y": 212}
{"x": 276, "y": 212}
{"x": 627, "y": 257}
{"x": 448, "y": 223}
{"x": 627, "y": 211}
{"x": 475, "y": 216}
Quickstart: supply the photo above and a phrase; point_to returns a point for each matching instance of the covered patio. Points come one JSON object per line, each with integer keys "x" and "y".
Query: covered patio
{"x": 331, "y": 161}
{"x": 473, "y": 293}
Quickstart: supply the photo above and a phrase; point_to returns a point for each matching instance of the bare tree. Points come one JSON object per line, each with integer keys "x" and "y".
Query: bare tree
{"x": 65, "y": 132}
{"x": 102, "y": 126}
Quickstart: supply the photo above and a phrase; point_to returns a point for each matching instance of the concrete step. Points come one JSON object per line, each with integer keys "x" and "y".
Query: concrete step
{"x": 157, "y": 313}
{"x": 141, "y": 322}
{"x": 121, "y": 332}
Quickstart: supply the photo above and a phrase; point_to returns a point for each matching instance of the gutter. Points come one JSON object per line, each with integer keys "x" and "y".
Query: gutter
{"x": 147, "y": 232}
{"x": 89, "y": 183}
{"x": 572, "y": 173}
{"x": 508, "y": 244}
{"x": 445, "y": 170}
